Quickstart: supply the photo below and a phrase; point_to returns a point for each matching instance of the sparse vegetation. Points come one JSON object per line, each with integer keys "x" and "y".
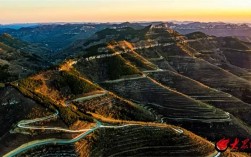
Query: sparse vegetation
{"x": 138, "y": 62}
{"x": 33, "y": 87}
{"x": 116, "y": 108}
{"x": 196, "y": 35}
{"x": 30, "y": 83}
{"x": 68, "y": 116}
{"x": 118, "y": 67}
{"x": 47, "y": 102}
{"x": 76, "y": 85}
{"x": 233, "y": 43}
{"x": 147, "y": 140}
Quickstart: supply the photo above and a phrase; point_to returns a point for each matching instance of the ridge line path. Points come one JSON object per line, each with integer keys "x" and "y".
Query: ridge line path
{"x": 90, "y": 97}
{"x": 124, "y": 79}
{"x": 237, "y": 50}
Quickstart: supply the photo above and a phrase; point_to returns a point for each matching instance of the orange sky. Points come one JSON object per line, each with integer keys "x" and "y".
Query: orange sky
{"x": 16, "y": 11}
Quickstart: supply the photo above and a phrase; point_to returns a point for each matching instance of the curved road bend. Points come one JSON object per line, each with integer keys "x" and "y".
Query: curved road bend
{"x": 24, "y": 124}
{"x": 36, "y": 143}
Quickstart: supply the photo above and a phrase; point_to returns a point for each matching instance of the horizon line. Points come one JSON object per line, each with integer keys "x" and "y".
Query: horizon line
{"x": 119, "y": 22}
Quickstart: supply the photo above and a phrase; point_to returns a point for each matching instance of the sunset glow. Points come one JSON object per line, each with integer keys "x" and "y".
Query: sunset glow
{"x": 16, "y": 11}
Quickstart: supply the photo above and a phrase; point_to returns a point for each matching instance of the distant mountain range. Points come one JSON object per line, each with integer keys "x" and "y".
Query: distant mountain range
{"x": 18, "y": 26}
{"x": 213, "y": 28}
{"x": 57, "y": 36}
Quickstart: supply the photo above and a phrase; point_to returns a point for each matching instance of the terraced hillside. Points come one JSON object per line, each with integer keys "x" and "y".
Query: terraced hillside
{"x": 177, "y": 108}
{"x": 203, "y": 93}
{"x": 136, "y": 139}
{"x": 110, "y": 63}
{"x": 206, "y": 73}
{"x": 15, "y": 107}
{"x": 148, "y": 141}
{"x": 171, "y": 55}
{"x": 226, "y": 52}
{"x": 112, "y": 106}
{"x": 162, "y": 46}
{"x": 52, "y": 150}
{"x": 72, "y": 110}
{"x": 64, "y": 88}
{"x": 129, "y": 92}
